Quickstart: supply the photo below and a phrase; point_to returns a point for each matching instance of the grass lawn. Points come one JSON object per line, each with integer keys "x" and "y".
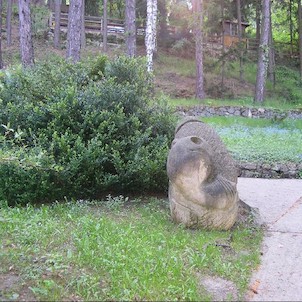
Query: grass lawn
{"x": 245, "y": 102}
{"x": 119, "y": 249}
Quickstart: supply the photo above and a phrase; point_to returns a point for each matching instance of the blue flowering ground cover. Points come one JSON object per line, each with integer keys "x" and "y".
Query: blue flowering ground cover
{"x": 279, "y": 142}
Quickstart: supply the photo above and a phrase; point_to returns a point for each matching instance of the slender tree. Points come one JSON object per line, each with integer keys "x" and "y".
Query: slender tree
{"x": 26, "y": 43}
{"x": 57, "y": 32}
{"x": 300, "y": 34}
{"x": 151, "y": 32}
{"x": 291, "y": 26}
{"x": 51, "y": 4}
{"x": 271, "y": 56}
{"x": 198, "y": 31}
{"x": 223, "y": 45}
{"x": 130, "y": 28}
{"x": 9, "y": 23}
{"x": 263, "y": 53}
{"x": 105, "y": 25}
{"x": 74, "y": 30}
{"x": 83, "y": 32}
{"x": 239, "y": 18}
{"x": 258, "y": 20}
{"x": 163, "y": 32}
{"x": 1, "y": 7}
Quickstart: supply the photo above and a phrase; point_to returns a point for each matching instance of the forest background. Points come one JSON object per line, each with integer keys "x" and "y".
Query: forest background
{"x": 175, "y": 33}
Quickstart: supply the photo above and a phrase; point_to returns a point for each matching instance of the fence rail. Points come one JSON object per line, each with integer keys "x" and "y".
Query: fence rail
{"x": 95, "y": 24}
{"x": 116, "y": 27}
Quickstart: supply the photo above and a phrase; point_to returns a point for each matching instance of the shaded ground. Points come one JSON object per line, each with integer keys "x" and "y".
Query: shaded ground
{"x": 175, "y": 85}
{"x": 12, "y": 288}
{"x": 179, "y": 86}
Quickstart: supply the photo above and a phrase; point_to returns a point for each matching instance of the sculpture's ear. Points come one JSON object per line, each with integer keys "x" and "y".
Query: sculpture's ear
{"x": 189, "y": 119}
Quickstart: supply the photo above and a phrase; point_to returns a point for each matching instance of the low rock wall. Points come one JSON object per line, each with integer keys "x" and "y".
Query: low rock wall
{"x": 205, "y": 111}
{"x": 258, "y": 170}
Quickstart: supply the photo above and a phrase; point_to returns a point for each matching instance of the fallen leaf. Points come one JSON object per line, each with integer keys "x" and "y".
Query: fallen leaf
{"x": 254, "y": 287}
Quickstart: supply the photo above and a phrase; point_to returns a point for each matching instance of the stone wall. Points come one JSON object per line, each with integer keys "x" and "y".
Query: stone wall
{"x": 258, "y": 170}
{"x": 204, "y": 111}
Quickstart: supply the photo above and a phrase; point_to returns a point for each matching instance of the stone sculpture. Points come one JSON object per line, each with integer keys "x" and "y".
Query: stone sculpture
{"x": 202, "y": 178}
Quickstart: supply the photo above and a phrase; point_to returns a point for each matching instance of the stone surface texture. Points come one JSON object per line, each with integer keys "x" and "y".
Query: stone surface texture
{"x": 203, "y": 111}
{"x": 279, "y": 276}
{"x": 203, "y": 178}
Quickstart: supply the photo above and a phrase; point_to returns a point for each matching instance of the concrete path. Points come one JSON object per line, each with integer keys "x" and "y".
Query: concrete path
{"x": 279, "y": 277}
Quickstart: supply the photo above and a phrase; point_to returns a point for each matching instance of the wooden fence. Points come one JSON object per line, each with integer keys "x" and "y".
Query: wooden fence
{"x": 116, "y": 27}
{"x": 94, "y": 24}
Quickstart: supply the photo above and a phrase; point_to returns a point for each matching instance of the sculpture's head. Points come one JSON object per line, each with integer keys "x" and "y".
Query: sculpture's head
{"x": 189, "y": 160}
{"x": 202, "y": 189}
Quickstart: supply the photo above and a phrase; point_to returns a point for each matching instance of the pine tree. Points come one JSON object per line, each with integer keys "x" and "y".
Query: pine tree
{"x": 198, "y": 31}
{"x": 130, "y": 28}
{"x": 74, "y": 30}
{"x": 263, "y": 55}
{"x": 26, "y": 43}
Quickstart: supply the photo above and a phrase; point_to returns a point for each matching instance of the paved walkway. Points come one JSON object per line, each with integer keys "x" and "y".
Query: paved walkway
{"x": 279, "y": 277}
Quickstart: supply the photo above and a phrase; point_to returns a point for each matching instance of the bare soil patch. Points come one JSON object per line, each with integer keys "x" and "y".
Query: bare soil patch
{"x": 12, "y": 288}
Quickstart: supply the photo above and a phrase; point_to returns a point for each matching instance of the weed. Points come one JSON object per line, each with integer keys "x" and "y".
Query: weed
{"x": 115, "y": 203}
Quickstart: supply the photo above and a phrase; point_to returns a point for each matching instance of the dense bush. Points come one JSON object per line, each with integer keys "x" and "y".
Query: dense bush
{"x": 96, "y": 125}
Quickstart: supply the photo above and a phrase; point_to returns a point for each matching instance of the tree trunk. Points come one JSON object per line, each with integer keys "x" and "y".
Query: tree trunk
{"x": 258, "y": 20}
{"x": 57, "y": 32}
{"x": 271, "y": 58}
{"x": 163, "y": 32}
{"x": 130, "y": 28}
{"x": 223, "y": 47}
{"x": 291, "y": 26}
{"x": 74, "y": 30}
{"x": 150, "y": 38}
{"x": 1, "y": 8}
{"x": 105, "y": 45}
{"x": 83, "y": 33}
{"x": 198, "y": 31}
{"x": 51, "y": 4}
{"x": 240, "y": 40}
{"x": 26, "y": 43}
{"x": 300, "y": 34}
{"x": 9, "y": 23}
{"x": 263, "y": 52}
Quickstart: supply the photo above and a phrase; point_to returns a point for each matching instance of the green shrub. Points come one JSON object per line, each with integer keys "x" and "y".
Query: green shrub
{"x": 183, "y": 47}
{"x": 100, "y": 124}
{"x": 40, "y": 19}
{"x": 97, "y": 67}
{"x": 289, "y": 84}
{"x": 28, "y": 176}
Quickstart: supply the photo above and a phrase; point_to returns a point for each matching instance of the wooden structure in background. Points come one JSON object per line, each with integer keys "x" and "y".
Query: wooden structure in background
{"x": 230, "y": 29}
{"x": 94, "y": 24}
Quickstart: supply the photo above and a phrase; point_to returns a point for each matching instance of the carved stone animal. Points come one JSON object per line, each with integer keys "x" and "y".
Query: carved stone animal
{"x": 202, "y": 178}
